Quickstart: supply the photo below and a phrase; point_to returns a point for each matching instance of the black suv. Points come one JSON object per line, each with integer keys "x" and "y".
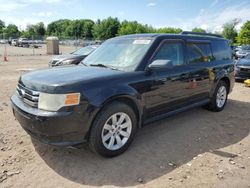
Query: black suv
{"x": 127, "y": 82}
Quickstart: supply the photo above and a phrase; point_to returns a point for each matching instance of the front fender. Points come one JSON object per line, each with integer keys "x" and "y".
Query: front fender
{"x": 107, "y": 94}
{"x": 98, "y": 101}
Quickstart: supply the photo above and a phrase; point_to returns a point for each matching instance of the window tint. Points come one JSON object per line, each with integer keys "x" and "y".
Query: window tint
{"x": 199, "y": 52}
{"x": 221, "y": 50}
{"x": 171, "y": 51}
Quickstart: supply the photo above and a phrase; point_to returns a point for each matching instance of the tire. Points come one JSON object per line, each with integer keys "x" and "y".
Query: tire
{"x": 106, "y": 129}
{"x": 219, "y": 99}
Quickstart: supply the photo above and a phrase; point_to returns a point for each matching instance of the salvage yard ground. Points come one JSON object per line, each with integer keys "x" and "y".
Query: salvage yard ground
{"x": 197, "y": 148}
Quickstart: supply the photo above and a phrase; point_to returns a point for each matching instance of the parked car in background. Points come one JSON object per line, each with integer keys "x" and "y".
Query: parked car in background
{"x": 245, "y": 50}
{"x": 73, "y": 58}
{"x": 3, "y": 41}
{"x": 23, "y": 42}
{"x": 238, "y": 48}
{"x": 125, "y": 83}
{"x": 14, "y": 42}
{"x": 39, "y": 42}
{"x": 242, "y": 68}
{"x": 233, "y": 48}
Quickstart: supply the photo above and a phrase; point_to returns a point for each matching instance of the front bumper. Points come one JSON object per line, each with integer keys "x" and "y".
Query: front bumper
{"x": 242, "y": 75}
{"x": 55, "y": 128}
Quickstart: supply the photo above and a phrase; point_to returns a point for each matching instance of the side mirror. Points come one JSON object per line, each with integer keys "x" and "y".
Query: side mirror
{"x": 160, "y": 63}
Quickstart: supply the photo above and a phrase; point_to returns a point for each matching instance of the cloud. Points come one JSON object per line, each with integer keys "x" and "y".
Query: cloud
{"x": 44, "y": 14}
{"x": 212, "y": 21}
{"x": 22, "y": 23}
{"x": 215, "y": 2}
{"x": 10, "y": 6}
{"x": 121, "y": 13}
{"x": 151, "y": 4}
{"x": 42, "y": 1}
{"x": 11, "y": 10}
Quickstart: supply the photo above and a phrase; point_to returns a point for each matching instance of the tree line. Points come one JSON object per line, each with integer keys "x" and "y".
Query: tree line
{"x": 111, "y": 27}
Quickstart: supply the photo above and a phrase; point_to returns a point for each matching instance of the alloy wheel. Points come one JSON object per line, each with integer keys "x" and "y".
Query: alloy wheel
{"x": 221, "y": 96}
{"x": 116, "y": 131}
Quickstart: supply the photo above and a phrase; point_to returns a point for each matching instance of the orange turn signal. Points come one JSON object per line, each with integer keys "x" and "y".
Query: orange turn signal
{"x": 72, "y": 99}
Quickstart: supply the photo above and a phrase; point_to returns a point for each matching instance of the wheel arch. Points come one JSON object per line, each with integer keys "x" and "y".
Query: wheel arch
{"x": 227, "y": 81}
{"x": 123, "y": 98}
{"x": 224, "y": 78}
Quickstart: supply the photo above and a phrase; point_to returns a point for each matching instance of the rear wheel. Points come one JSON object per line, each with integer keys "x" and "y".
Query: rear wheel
{"x": 219, "y": 98}
{"x": 113, "y": 130}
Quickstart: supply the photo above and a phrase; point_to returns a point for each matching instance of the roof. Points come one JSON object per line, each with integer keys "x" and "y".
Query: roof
{"x": 188, "y": 35}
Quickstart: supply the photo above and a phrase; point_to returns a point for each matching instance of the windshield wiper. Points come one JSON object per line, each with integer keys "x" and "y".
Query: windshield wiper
{"x": 102, "y": 65}
{"x": 82, "y": 63}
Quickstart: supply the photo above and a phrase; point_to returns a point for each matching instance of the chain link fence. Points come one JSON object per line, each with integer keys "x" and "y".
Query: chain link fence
{"x": 36, "y": 45}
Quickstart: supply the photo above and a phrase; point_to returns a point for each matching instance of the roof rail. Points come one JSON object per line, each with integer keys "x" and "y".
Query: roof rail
{"x": 201, "y": 34}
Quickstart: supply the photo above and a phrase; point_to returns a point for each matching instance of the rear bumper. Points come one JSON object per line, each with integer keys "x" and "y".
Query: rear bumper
{"x": 55, "y": 128}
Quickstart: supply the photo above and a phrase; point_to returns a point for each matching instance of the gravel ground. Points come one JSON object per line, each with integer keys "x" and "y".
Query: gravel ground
{"x": 196, "y": 148}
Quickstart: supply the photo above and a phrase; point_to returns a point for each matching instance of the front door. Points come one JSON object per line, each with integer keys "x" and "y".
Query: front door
{"x": 169, "y": 89}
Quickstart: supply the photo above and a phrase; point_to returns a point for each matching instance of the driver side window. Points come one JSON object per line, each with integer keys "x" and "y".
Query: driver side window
{"x": 172, "y": 51}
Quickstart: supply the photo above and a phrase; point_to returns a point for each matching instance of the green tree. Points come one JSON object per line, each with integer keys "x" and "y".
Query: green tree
{"x": 244, "y": 35}
{"x": 40, "y": 29}
{"x": 59, "y": 28}
{"x": 198, "y": 30}
{"x": 87, "y": 29}
{"x": 75, "y": 28}
{"x": 81, "y": 28}
{"x": 106, "y": 28}
{"x": 169, "y": 30}
{"x": 2, "y": 26}
{"x": 12, "y": 31}
{"x": 229, "y": 31}
{"x": 29, "y": 32}
{"x": 132, "y": 27}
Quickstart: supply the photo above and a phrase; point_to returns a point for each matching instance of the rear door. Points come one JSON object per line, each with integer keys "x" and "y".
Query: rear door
{"x": 199, "y": 59}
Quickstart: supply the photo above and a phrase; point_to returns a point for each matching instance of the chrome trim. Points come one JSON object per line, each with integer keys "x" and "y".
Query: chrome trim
{"x": 28, "y": 96}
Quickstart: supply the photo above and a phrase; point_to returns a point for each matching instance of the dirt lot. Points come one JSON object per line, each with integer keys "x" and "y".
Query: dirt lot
{"x": 197, "y": 148}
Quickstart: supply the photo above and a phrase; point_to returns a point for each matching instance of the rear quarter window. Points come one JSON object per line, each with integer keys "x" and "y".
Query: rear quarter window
{"x": 221, "y": 50}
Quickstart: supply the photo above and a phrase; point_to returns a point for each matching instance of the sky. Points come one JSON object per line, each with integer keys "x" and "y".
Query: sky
{"x": 185, "y": 14}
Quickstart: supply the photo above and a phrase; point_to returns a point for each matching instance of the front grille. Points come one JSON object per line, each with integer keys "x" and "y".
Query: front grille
{"x": 28, "y": 96}
{"x": 246, "y": 70}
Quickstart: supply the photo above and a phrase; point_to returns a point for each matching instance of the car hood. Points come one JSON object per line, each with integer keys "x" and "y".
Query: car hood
{"x": 243, "y": 62}
{"x": 55, "y": 80}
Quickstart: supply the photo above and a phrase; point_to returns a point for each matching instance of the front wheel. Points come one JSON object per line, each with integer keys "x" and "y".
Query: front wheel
{"x": 219, "y": 98}
{"x": 113, "y": 130}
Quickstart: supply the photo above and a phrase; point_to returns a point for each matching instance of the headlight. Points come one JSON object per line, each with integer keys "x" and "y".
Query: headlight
{"x": 53, "y": 102}
{"x": 68, "y": 62}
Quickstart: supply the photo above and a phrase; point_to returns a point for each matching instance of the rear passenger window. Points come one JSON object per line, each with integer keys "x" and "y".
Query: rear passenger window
{"x": 171, "y": 51}
{"x": 199, "y": 52}
{"x": 221, "y": 50}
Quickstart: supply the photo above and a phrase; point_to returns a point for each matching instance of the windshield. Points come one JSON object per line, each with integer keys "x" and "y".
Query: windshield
{"x": 245, "y": 48}
{"x": 85, "y": 50}
{"x": 119, "y": 53}
{"x": 247, "y": 56}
